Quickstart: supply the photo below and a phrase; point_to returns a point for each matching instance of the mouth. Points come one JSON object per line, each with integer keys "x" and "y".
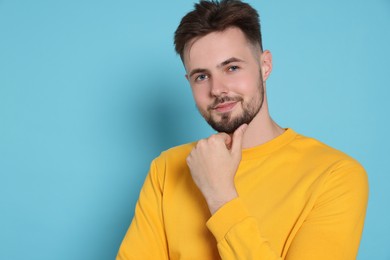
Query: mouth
{"x": 225, "y": 106}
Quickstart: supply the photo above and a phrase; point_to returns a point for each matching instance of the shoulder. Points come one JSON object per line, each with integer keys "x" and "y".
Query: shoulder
{"x": 177, "y": 152}
{"x": 174, "y": 157}
{"x": 314, "y": 148}
{"x": 171, "y": 166}
{"x": 335, "y": 162}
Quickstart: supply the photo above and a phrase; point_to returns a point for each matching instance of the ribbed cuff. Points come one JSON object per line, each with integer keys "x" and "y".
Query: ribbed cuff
{"x": 226, "y": 217}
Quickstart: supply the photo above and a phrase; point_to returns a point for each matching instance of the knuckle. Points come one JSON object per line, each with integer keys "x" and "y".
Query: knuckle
{"x": 201, "y": 143}
{"x": 213, "y": 138}
{"x": 190, "y": 159}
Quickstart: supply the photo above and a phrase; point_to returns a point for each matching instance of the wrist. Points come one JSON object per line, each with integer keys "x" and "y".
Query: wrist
{"x": 215, "y": 203}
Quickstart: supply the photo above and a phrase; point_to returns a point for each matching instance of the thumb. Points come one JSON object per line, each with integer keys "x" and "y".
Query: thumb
{"x": 237, "y": 138}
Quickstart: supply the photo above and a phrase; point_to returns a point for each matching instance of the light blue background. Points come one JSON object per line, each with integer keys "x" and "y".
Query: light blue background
{"x": 92, "y": 91}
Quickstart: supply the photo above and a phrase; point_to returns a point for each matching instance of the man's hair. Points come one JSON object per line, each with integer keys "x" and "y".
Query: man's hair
{"x": 217, "y": 16}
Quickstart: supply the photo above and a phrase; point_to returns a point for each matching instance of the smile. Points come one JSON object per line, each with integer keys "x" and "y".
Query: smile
{"x": 225, "y": 106}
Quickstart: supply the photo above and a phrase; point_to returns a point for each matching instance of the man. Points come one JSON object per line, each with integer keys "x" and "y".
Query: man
{"x": 253, "y": 190}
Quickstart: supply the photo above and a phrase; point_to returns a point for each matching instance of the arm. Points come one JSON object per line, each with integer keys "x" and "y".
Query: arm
{"x": 332, "y": 229}
{"x": 145, "y": 238}
{"x": 213, "y": 164}
{"x": 238, "y": 235}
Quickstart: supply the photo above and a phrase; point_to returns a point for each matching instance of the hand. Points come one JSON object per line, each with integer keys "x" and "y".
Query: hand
{"x": 213, "y": 163}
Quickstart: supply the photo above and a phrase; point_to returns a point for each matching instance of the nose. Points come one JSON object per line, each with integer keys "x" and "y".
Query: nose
{"x": 218, "y": 87}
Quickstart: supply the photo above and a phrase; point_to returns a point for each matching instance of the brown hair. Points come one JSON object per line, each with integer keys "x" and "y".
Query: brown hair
{"x": 216, "y": 16}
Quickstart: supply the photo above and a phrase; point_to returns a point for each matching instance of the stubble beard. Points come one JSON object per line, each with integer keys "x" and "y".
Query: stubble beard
{"x": 228, "y": 123}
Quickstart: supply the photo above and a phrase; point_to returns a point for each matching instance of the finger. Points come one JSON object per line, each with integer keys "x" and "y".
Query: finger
{"x": 237, "y": 138}
{"x": 221, "y": 137}
{"x": 189, "y": 157}
{"x": 227, "y": 139}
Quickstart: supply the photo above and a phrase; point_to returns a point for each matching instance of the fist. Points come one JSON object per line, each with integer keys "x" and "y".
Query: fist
{"x": 213, "y": 163}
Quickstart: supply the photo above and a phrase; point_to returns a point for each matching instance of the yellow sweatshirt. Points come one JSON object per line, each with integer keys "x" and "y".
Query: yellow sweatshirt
{"x": 298, "y": 199}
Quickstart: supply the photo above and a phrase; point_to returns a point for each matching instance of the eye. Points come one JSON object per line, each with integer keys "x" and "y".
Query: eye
{"x": 233, "y": 68}
{"x": 201, "y": 77}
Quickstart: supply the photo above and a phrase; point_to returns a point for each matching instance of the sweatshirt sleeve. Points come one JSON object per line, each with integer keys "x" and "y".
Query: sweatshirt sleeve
{"x": 238, "y": 235}
{"x": 145, "y": 238}
{"x": 334, "y": 226}
{"x": 332, "y": 229}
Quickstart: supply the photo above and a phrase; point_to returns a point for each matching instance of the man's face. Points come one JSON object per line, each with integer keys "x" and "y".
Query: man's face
{"x": 224, "y": 72}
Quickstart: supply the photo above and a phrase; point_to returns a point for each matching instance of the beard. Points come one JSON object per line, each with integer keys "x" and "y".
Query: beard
{"x": 228, "y": 123}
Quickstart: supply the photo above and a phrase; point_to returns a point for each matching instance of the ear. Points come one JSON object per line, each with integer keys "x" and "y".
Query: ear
{"x": 188, "y": 78}
{"x": 266, "y": 64}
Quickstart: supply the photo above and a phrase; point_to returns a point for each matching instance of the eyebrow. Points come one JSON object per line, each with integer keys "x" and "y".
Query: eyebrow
{"x": 222, "y": 64}
{"x": 194, "y": 71}
{"x": 226, "y": 62}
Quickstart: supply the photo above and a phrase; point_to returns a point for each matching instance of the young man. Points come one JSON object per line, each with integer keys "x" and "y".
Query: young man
{"x": 253, "y": 190}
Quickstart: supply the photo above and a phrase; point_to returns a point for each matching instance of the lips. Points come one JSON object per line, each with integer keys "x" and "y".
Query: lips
{"x": 225, "y": 106}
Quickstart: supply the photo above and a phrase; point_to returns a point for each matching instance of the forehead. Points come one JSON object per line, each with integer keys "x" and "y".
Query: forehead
{"x": 214, "y": 48}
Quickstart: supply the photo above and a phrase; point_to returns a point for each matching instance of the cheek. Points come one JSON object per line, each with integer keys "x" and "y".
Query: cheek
{"x": 201, "y": 96}
{"x": 244, "y": 83}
